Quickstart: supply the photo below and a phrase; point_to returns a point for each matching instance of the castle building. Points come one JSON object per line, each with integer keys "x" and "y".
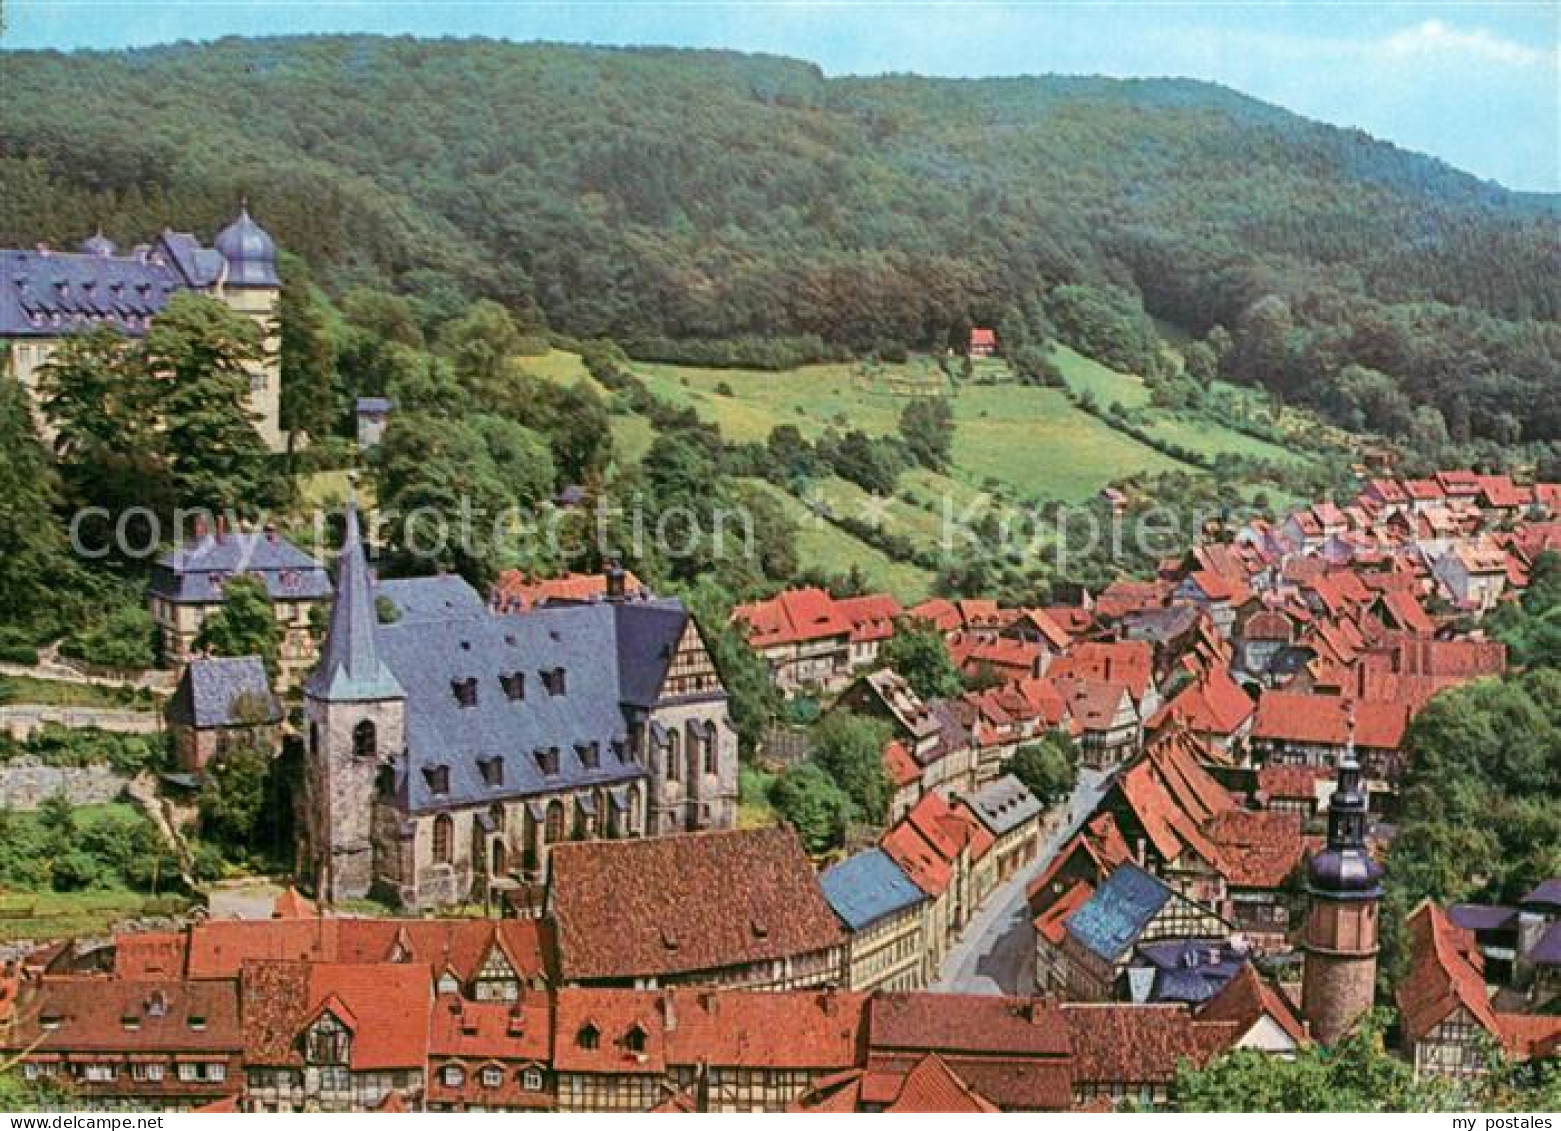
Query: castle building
{"x": 1344, "y": 888}
{"x": 46, "y": 295}
{"x": 449, "y": 747}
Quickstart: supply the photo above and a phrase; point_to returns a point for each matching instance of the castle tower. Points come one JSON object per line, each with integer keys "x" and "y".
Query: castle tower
{"x": 1344, "y": 887}
{"x": 250, "y": 286}
{"x": 356, "y": 714}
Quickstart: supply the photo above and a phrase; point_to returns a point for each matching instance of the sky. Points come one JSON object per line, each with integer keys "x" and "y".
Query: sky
{"x": 1476, "y": 84}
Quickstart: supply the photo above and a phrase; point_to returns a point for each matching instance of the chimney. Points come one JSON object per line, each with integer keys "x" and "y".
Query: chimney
{"x": 614, "y": 574}
{"x": 669, "y": 1011}
{"x": 222, "y": 527}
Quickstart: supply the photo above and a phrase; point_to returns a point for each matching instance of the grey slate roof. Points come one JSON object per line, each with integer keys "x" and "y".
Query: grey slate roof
{"x": 431, "y": 598}
{"x": 211, "y": 687}
{"x": 1109, "y": 922}
{"x": 1481, "y": 917}
{"x": 350, "y": 669}
{"x": 867, "y": 887}
{"x": 373, "y": 406}
{"x": 1546, "y": 894}
{"x": 52, "y": 293}
{"x": 194, "y": 573}
{"x": 1547, "y": 951}
{"x": 1004, "y": 805}
{"x": 429, "y": 657}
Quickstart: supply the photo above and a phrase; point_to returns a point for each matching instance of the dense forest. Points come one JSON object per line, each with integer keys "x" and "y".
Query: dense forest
{"x": 723, "y": 207}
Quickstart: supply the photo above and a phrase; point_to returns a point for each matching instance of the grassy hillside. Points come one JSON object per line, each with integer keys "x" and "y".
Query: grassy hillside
{"x": 1014, "y": 446}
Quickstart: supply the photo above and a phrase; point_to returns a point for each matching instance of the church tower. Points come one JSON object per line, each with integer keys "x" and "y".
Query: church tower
{"x": 1344, "y": 888}
{"x": 356, "y": 711}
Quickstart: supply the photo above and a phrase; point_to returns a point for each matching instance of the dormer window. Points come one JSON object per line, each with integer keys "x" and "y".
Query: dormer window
{"x": 438, "y": 778}
{"x": 547, "y": 760}
{"x": 157, "y": 1004}
{"x": 590, "y": 754}
{"x": 454, "y": 1076}
{"x": 589, "y": 1037}
{"x": 553, "y": 680}
{"x": 531, "y": 1080}
{"x": 131, "y": 1022}
{"x": 492, "y": 771}
{"x": 634, "y": 1039}
{"x": 197, "y": 1023}
{"x": 514, "y": 686}
{"x": 492, "y": 1077}
{"x": 465, "y": 691}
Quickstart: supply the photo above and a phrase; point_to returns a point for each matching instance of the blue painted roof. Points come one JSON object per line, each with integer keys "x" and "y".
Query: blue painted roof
{"x": 250, "y": 252}
{"x": 1546, "y": 894}
{"x": 211, "y": 686}
{"x": 374, "y": 405}
{"x": 196, "y": 571}
{"x": 868, "y": 886}
{"x": 1111, "y": 919}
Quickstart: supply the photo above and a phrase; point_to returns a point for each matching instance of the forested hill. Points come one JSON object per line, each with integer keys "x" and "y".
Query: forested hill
{"x": 655, "y": 194}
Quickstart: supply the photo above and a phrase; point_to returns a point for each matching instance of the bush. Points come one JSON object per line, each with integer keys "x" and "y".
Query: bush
{"x": 125, "y": 638}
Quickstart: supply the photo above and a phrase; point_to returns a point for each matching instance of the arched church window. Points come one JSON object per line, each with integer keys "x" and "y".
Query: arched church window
{"x": 444, "y": 838}
{"x": 553, "y": 830}
{"x": 365, "y": 740}
{"x": 712, "y": 750}
{"x": 674, "y": 757}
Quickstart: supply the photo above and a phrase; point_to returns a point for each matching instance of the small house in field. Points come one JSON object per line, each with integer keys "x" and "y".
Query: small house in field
{"x": 983, "y": 342}
{"x": 221, "y": 701}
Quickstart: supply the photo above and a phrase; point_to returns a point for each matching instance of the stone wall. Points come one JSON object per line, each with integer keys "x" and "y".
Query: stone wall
{"x": 26, "y": 783}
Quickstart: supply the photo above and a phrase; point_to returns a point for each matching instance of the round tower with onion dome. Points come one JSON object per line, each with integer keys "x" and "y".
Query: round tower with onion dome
{"x": 1344, "y": 890}
{"x": 248, "y": 283}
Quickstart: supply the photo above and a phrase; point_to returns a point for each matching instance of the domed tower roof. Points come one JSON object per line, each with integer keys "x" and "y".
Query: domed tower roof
{"x": 98, "y": 245}
{"x": 1345, "y": 869}
{"x": 250, "y": 252}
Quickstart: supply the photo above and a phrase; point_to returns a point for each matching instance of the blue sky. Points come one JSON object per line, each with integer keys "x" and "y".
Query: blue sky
{"x": 1476, "y": 84}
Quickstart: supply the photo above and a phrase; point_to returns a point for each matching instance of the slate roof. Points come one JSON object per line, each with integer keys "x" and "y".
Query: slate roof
{"x": 351, "y": 669}
{"x": 195, "y": 572}
{"x": 1481, "y": 917}
{"x": 1118, "y": 912}
{"x": 1003, "y": 805}
{"x": 211, "y": 687}
{"x": 1547, "y": 951}
{"x": 867, "y": 887}
{"x": 431, "y": 598}
{"x": 668, "y": 905}
{"x": 1546, "y": 894}
{"x": 374, "y": 406}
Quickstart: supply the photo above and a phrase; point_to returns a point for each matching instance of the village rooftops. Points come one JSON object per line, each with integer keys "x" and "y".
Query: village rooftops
{"x": 868, "y": 887}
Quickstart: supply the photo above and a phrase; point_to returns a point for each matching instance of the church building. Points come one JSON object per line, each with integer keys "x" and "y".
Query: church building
{"x": 449, "y": 747}
{"x": 46, "y": 295}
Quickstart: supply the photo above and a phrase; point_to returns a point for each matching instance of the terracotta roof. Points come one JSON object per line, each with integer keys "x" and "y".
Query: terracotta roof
{"x": 666, "y": 905}
{"x": 293, "y": 904}
{"x": 1291, "y": 783}
{"x": 150, "y": 954}
{"x": 933, "y": 1087}
{"x": 462, "y": 1029}
{"x": 796, "y": 615}
{"x": 91, "y": 1013}
{"x": 1127, "y": 1045}
{"x": 1442, "y": 975}
{"x": 1324, "y": 720}
{"x": 1257, "y": 849}
{"x": 1215, "y": 704}
{"x": 1246, "y": 999}
{"x": 597, "y": 1030}
{"x": 938, "y": 612}
{"x": 1127, "y": 662}
{"x": 384, "y": 1005}
{"x": 900, "y": 766}
{"x": 924, "y": 864}
{"x": 819, "y": 1030}
{"x": 514, "y": 592}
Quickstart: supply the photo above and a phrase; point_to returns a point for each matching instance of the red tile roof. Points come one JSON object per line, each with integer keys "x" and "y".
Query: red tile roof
{"x": 1246, "y": 999}
{"x": 900, "y": 766}
{"x": 819, "y": 1031}
{"x": 665, "y": 905}
{"x": 1051, "y": 924}
{"x": 1215, "y": 704}
{"x": 90, "y": 1013}
{"x": 798, "y": 615}
{"x": 1128, "y": 662}
{"x": 384, "y": 1005}
{"x": 1325, "y": 720}
{"x": 514, "y": 592}
{"x": 1442, "y": 975}
{"x": 1257, "y": 849}
{"x": 467, "y": 1030}
{"x": 150, "y": 954}
{"x": 596, "y": 1031}
{"x": 933, "y": 1087}
{"x": 293, "y": 904}
{"x": 1127, "y": 1045}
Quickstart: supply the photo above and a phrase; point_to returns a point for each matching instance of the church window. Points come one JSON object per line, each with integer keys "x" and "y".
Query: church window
{"x": 496, "y": 815}
{"x": 553, "y": 832}
{"x": 674, "y": 757}
{"x": 314, "y": 739}
{"x": 712, "y": 750}
{"x": 365, "y": 740}
{"x": 444, "y": 838}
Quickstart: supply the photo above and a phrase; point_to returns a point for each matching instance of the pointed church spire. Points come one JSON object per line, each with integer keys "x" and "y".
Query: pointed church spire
{"x": 350, "y": 666}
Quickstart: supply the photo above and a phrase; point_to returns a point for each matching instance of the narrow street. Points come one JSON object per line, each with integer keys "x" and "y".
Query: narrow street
{"x": 996, "y": 953}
